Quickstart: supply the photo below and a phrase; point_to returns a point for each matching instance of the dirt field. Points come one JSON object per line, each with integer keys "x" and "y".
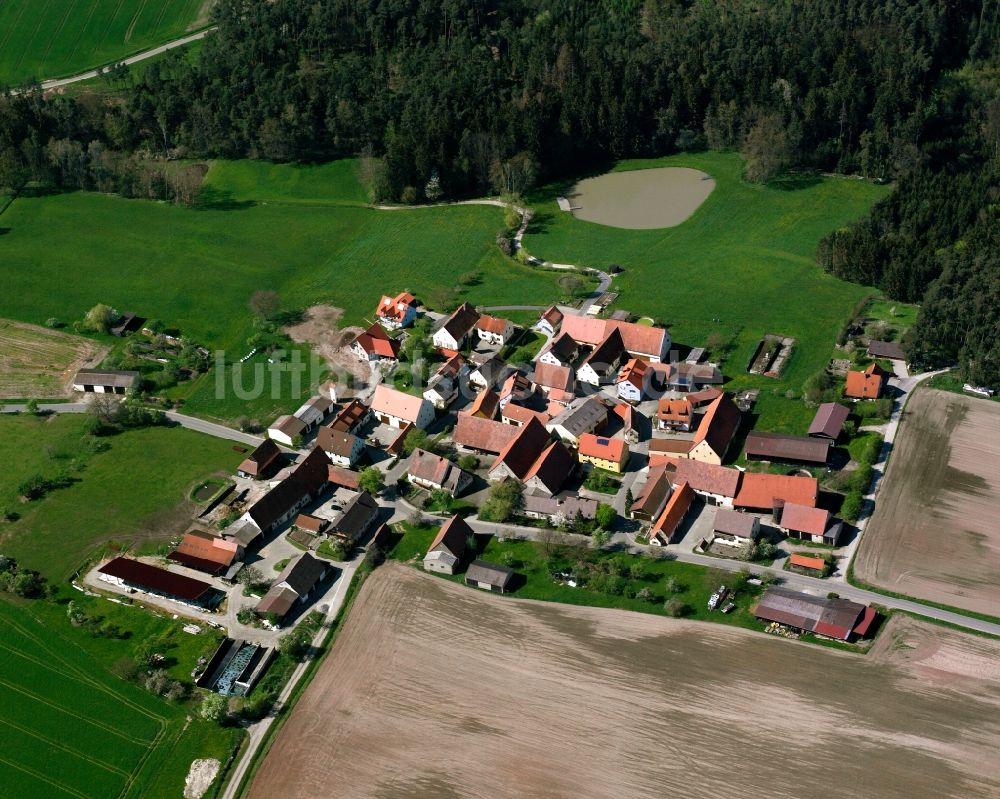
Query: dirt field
{"x": 434, "y": 690}
{"x": 319, "y": 330}
{"x": 935, "y": 533}
{"x": 38, "y": 362}
{"x": 641, "y": 199}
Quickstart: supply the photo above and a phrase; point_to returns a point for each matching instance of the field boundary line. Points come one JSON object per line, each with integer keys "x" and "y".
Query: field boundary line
{"x": 70, "y": 713}
{"x": 38, "y": 27}
{"x": 44, "y": 778}
{"x": 82, "y": 755}
{"x": 83, "y": 27}
{"x": 58, "y": 30}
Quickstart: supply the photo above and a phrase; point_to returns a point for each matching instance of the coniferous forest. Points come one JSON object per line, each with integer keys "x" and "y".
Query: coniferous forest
{"x": 485, "y": 95}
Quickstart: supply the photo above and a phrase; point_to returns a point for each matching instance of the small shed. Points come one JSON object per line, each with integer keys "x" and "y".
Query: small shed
{"x": 489, "y": 576}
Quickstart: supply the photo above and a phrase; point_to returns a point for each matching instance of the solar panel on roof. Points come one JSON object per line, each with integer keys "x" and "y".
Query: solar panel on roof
{"x": 602, "y": 441}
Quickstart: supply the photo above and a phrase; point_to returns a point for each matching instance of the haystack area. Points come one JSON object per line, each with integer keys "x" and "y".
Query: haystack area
{"x": 436, "y": 690}
{"x": 641, "y": 199}
{"x": 935, "y": 534}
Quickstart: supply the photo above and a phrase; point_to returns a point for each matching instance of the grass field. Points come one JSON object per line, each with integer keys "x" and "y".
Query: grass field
{"x": 51, "y": 38}
{"x": 135, "y": 492}
{"x": 71, "y": 729}
{"x": 742, "y": 266}
{"x": 38, "y": 362}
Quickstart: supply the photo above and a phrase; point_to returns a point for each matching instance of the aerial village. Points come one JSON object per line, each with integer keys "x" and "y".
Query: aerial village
{"x": 605, "y": 433}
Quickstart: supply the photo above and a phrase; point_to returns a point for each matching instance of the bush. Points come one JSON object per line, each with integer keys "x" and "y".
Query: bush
{"x": 675, "y": 608}
{"x": 850, "y": 510}
{"x": 214, "y": 708}
{"x": 605, "y": 516}
{"x": 861, "y": 478}
{"x": 468, "y": 463}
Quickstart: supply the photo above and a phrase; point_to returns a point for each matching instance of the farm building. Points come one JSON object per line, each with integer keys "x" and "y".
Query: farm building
{"x": 489, "y": 373}
{"x": 674, "y": 414}
{"x": 717, "y": 485}
{"x": 134, "y": 574}
{"x": 786, "y": 448}
{"x": 356, "y": 519}
{"x": 715, "y": 431}
{"x": 807, "y": 523}
{"x": 610, "y": 454}
{"x": 343, "y": 449}
{"x": 397, "y": 409}
{"x": 516, "y": 388}
{"x": 667, "y": 525}
{"x": 533, "y": 459}
{"x": 434, "y": 472}
{"x": 651, "y": 343}
{"x": 552, "y": 379}
{"x": 489, "y": 576}
{"x": 602, "y": 365}
{"x": 632, "y": 380}
{"x": 519, "y": 416}
{"x": 829, "y": 421}
{"x": 634, "y": 423}
{"x": 890, "y": 350}
{"x": 208, "y": 553}
{"x": 562, "y": 351}
{"x": 565, "y": 505}
{"x": 760, "y": 492}
{"x": 484, "y": 405}
{"x": 584, "y": 415}
{"x": 494, "y": 330}
{"x": 734, "y": 528}
{"x": 396, "y": 312}
{"x": 105, "y": 381}
{"x": 868, "y": 384}
{"x": 700, "y": 399}
{"x": 653, "y": 496}
{"x": 343, "y": 478}
{"x": 550, "y": 320}
{"x": 308, "y": 481}
{"x": 474, "y": 434}
{"x": 453, "y": 333}
{"x": 806, "y": 562}
{"x": 445, "y": 553}
{"x": 314, "y": 412}
{"x": 443, "y": 385}
{"x": 351, "y": 417}
{"x": 235, "y": 667}
{"x": 840, "y": 619}
{"x": 693, "y": 376}
{"x": 373, "y": 345}
{"x": 294, "y": 586}
{"x": 312, "y": 524}
{"x": 286, "y": 429}
{"x": 259, "y": 462}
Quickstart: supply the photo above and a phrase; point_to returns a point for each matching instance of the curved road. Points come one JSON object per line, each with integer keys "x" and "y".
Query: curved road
{"x": 56, "y": 83}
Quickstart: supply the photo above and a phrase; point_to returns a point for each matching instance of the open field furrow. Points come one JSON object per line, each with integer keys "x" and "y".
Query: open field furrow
{"x": 85, "y": 756}
{"x": 45, "y": 779}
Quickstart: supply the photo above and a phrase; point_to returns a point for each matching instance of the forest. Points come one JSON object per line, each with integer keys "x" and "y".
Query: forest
{"x": 461, "y": 97}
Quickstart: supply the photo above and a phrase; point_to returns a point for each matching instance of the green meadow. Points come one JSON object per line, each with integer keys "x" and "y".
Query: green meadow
{"x": 51, "y": 38}
{"x": 72, "y": 729}
{"x": 135, "y": 492}
{"x": 742, "y": 266}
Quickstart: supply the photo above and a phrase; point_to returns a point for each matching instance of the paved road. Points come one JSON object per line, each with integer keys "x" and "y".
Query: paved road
{"x": 132, "y": 59}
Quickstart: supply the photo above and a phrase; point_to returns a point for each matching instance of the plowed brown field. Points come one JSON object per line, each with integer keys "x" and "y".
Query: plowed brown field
{"x": 436, "y": 690}
{"x": 935, "y": 533}
{"x": 36, "y": 362}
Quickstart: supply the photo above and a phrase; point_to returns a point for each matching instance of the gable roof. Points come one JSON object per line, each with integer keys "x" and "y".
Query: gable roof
{"x": 291, "y": 426}
{"x": 485, "y": 404}
{"x": 153, "y": 578}
{"x": 868, "y": 382}
{"x": 609, "y": 352}
{"x": 480, "y": 571}
{"x": 703, "y": 397}
{"x": 119, "y": 378}
{"x": 308, "y": 477}
{"x": 562, "y": 347}
{"x": 634, "y": 372}
{"x": 206, "y": 552}
{"x": 524, "y": 450}
{"x": 552, "y": 315}
{"x": 593, "y": 446}
{"x": 734, "y": 523}
{"x": 778, "y": 446}
{"x": 516, "y": 386}
{"x": 708, "y": 477}
{"x": 654, "y": 491}
{"x": 521, "y": 415}
{"x": 492, "y": 324}
{"x": 804, "y": 519}
{"x": 451, "y": 537}
{"x": 567, "y": 504}
{"x": 674, "y": 511}
{"x": 834, "y": 618}
{"x": 492, "y": 370}
{"x": 718, "y": 425}
{"x": 256, "y": 462}
{"x": 552, "y": 468}
{"x": 795, "y": 559}
{"x": 581, "y": 416}
{"x": 758, "y": 490}
{"x": 451, "y": 367}
{"x": 637, "y": 339}
{"x": 336, "y": 442}
{"x": 392, "y": 402}
{"x": 345, "y": 478}
{"x": 461, "y": 321}
{"x": 675, "y": 410}
{"x": 485, "y": 435}
{"x": 350, "y": 416}
{"x": 886, "y": 349}
{"x": 374, "y": 340}
{"x": 435, "y": 469}
{"x": 357, "y": 515}
{"x": 395, "y": 308}
{"x": 302, "y": 573}
{"x": 548, "y": 375}
{"x": 829, "y": 420}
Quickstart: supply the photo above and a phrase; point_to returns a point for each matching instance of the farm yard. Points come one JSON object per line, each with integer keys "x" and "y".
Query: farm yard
{"x": 934, "y": 533}
{"x": 46, "y": 39}
{"x": 36, "y": 362}
{"x": 535, "y": 698}
{"x": 71, "y": 729}
{"x": 134, "y": 492}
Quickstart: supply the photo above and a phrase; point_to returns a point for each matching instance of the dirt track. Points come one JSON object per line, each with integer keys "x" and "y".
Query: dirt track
{"x": 434, "y": 690}
{"x": 935, "y": 533}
